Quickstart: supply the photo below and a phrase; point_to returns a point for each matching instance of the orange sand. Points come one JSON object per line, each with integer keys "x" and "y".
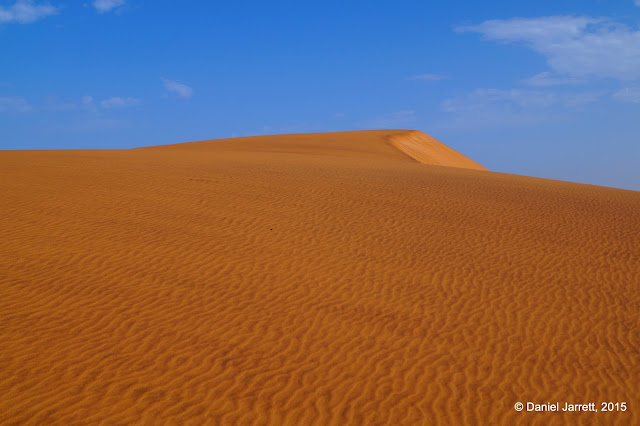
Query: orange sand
{"x": 299, "y": 279}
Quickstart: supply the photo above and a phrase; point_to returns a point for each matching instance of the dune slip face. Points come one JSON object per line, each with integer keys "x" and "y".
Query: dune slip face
{"x": 373, "y": 277}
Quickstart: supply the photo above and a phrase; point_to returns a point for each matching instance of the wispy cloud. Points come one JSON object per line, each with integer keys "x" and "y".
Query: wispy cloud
{"x": 118, "y": 102}
{"x": 637, "y": 2}
{"x": 14, "y": 103}
{"x": 518, "y": 99}
{"x": 503, "y": 108}
{"x": 53, "y": 103}
{"x": 428, "y": 77}
{"x": 103, "y": 6}
{"x": 545, "y": 79}
{"x": 573, "y": 45}
{"x": 25, "y": 11}
{"x": 391, "y": 120}
{"x": 177, "y": 88}
{"x": 89, "y": 104}
{"x": 628, "y": 94}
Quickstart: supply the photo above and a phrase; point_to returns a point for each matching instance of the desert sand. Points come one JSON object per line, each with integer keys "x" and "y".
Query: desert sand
{"x": 372, "y": 277}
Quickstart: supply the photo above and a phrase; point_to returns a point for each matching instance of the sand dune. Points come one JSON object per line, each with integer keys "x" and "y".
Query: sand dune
{"x": 340, "y": 278}
{"x": 387, "y": 145}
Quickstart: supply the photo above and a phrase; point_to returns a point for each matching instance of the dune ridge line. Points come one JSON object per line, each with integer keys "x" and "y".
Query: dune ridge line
{"x": 370, "y": 144}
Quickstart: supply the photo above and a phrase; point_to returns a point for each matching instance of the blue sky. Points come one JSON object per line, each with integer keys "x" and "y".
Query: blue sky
{"x": 540, "y": 88}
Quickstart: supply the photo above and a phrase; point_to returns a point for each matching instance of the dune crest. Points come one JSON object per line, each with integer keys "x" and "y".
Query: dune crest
{"x": 363, "y": 144}
{"x": 428, "y": 150}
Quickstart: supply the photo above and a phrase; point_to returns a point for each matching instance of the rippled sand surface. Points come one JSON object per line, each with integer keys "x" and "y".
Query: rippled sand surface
{"x": 342, "y": 278}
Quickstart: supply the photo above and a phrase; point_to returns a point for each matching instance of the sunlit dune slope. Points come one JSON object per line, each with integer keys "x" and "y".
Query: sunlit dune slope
{"x": 388, "y": 145}
{"x": 428, "y": 150}
{"x": 310, "y": 279}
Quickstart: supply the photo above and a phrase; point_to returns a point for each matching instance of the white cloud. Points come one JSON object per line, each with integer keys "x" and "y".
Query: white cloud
{"x": 628, "y": 94}
{"x": 89, "y": 104}
{"x": 14, "y": 103}
{"x": 575, "y": 46}
{"x": 176, "y": 88}
{"x": 428, "y": 77}
{"x": 544, "y": 79}
{"x": 518, "y": 99}
{"x": 25, "y": 11}
{"x": 637, "y": 3}
{"x": 55, "y": 105}
{"x": 118, "y": 102}
{"x": 531, "y": 30}
{"x": 103, "y": 6}
{"x": 502, "y": 108}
